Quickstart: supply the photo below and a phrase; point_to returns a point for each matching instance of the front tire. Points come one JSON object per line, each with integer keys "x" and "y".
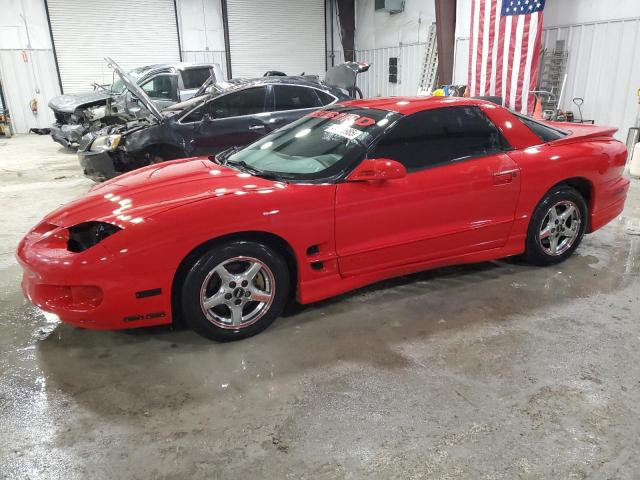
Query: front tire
{"x": 235, "y": 290}
{"x": 556, "y": 227}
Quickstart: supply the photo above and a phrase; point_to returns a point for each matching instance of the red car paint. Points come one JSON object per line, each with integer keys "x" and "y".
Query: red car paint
{"x": 364, "y": 231}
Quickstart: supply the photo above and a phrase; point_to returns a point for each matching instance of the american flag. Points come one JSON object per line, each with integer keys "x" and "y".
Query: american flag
{"x": 504, "y": 49}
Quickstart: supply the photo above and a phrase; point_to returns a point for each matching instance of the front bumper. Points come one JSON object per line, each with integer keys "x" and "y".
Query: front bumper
{"x": 98, "y": 166}
{"x": 91, "y": 289}
{"x": 67, "y": 135}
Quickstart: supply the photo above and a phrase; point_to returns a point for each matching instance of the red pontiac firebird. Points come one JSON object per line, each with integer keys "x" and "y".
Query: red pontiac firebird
{"x": 346, "y": 196}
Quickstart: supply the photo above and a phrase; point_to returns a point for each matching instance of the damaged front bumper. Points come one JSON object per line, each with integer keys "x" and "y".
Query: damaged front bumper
{"x": 67, "y": 135}
{"x": 98, "y": 166}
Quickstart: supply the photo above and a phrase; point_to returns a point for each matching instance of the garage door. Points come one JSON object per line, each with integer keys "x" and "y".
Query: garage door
{"x": 280, "y": 35}
{"x": 133, "y": 33}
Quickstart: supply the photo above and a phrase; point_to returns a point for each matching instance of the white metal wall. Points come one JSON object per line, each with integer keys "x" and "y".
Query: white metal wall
{"x": 23, "y": 80}
{"x": 133, "y": 33}
{"x": 375, "y": 82}
{"x": 276, "y": 35}
{"x": 603, "y": 68}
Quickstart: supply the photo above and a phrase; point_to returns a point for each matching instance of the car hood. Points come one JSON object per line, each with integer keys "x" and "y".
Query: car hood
{"x": 136, "y": 196}
{"x": 135, "y": 89}
{"x": 69, "y": 103}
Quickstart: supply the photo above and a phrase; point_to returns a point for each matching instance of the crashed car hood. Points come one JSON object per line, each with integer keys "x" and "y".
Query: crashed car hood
{"x": 135, "y": 89}
{"x": 131, "y": 198}
{"x": 69, "y": 103}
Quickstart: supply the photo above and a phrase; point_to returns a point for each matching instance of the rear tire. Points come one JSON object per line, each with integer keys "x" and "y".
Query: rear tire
{"x": 235, "y": 290}
{"x": 557, "y": 226}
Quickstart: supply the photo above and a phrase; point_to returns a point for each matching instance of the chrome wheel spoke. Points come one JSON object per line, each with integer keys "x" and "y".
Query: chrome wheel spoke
{"x": 258, "y": 295}
{"x": 253, "y": 270}
{"x": 214, "y": 300}
{"x": 553, "y": 244}
{"x": 564, "y": 216}
{"x": 236, "y": 315}
{"x": 545, "y": 232}
{"x": 223, "y": 273}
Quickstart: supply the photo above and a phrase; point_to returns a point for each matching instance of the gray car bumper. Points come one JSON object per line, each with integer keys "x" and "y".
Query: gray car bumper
{"x": 67, "y": 135}
{"x": 98, "y": 166}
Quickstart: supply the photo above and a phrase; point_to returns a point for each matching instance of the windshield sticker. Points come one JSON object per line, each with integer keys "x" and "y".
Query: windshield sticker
{"x": 345, "y": 118}
{"x": 344, "y": 131}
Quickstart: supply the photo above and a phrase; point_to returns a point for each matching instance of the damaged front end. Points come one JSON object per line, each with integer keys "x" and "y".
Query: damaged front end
{"x": 108, "y": 152}
{"x": 79, "y": 114}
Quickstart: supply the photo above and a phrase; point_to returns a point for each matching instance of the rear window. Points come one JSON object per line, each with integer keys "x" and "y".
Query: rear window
{"x": 195, "y": 77}
{"x": 546, "y": 133}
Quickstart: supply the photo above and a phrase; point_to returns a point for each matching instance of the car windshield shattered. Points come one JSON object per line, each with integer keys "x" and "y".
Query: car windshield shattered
{"x": 119, "y": 87}
{"x": 320, "y": 145}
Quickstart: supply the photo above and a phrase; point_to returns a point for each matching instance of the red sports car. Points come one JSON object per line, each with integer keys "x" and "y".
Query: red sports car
{"x": 353, "y": 194}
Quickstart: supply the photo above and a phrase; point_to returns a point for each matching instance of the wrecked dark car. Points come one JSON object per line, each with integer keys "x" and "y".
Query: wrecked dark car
{"x": 232, "y": 113}
{"x": 165, "y": 84}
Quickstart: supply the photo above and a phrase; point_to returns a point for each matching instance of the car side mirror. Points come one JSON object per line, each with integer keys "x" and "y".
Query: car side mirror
{"x": 377, "y": 169}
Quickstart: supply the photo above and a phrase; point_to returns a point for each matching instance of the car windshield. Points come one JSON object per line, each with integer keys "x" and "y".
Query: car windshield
{"x": 119, "y": 87}
{"x": 317, "y": 146}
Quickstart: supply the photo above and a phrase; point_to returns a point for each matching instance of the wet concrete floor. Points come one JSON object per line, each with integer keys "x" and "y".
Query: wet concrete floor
{"x": 490, "y": 371}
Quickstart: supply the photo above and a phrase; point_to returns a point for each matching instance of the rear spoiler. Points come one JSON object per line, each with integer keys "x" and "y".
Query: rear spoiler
{"x": 579, "y": 132}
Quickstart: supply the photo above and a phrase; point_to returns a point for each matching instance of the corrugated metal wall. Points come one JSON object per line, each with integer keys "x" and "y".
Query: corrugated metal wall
{"x": 375, "y": 82}
{"x": 136, "y": 33}
{"x": 603, "y": 68}
{"x": 22, "y": 80}
{"x": 206, "y": 56}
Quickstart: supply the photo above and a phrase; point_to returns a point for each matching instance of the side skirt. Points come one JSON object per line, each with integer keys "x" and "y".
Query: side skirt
{"x": 326, "y": 287}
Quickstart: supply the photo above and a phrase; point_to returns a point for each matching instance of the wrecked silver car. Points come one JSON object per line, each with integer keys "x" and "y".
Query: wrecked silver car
{"x": 165, "y": 85}
{"x": 232, "y": 113}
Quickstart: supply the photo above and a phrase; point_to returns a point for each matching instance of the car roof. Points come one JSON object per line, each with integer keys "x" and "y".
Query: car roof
{"x": 409, "y": 105}
{"x": 177, "y": 66}
{"x": 237, "y": 84}
{"x": 305, "y": 80}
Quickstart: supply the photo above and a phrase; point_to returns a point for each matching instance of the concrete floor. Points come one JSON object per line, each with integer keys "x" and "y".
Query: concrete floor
{"x": 489, "y": 371}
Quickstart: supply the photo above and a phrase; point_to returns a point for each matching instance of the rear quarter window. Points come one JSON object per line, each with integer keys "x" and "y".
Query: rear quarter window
{"x": 195, "y": 77}
{"x": 546, "y": 133}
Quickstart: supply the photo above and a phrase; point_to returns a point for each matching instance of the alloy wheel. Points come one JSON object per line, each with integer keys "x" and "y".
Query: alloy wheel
{"x": 237, "y": 292}
{"x": 560, "y": 228}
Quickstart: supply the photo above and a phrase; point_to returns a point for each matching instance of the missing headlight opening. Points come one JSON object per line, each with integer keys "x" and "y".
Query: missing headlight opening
{"x": 86, "y": 235}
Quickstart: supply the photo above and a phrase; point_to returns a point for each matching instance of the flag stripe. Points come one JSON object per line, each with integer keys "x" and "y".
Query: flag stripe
{"x": 535, "y": 54}
{"x": 504, "y": 49}
{"x": 495, "y": 34}
{"x": 475, "y": 7}
{"x": 524, "y": 41}
{"x": 511, "y": 60}
{"x": 531, "y": 34}
{"x": 485, "y": 20}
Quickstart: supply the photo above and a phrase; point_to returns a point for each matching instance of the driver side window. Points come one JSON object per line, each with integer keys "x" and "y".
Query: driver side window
{"x": 440, "y": 136}
{"x": 162, "y": 87}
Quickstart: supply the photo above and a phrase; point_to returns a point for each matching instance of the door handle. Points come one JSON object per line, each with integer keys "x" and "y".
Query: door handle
{"x": 256, "y": 127}
{"x": 504, "y": 177}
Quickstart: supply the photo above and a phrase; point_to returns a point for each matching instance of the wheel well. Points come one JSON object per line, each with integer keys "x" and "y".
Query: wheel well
{"x": 271, "y": 240}
{"x": 583, "y": 186}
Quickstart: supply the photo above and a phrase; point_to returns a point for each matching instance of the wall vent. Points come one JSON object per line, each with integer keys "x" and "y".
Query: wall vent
{"x": 391, "y": 6}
